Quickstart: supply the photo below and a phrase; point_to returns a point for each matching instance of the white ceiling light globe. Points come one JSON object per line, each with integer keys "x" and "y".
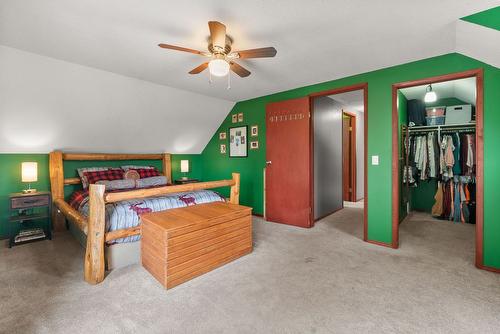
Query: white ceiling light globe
{"x": 218, "y": 67}
{"x": 430, "y": 97}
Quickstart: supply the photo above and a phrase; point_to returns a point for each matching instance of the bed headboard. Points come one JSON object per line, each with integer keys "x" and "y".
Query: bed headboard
{"x": 57, "y": 180}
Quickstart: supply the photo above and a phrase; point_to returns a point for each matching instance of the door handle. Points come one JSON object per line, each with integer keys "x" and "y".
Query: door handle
{"x": 268, "y": 163}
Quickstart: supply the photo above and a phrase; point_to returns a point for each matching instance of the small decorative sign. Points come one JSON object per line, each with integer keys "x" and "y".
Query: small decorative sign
{"x": 240, "y": 117}
{"x": 254, "y": 131}
{"x": 234, "y": 118}
{"x": 254, "y": 145}
{"x": 223, "y": 148}
{"x": 222, "y": 135}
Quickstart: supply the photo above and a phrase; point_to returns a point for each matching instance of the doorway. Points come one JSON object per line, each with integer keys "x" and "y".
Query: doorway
{"x": 439, "y": 130}
{"x": 289, "y": 175}
{"x": 346, "y": 125}
{"x": 349, "y": 156}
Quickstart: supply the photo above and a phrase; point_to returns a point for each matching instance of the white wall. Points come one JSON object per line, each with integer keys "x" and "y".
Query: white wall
{"x": 48, "y": 104}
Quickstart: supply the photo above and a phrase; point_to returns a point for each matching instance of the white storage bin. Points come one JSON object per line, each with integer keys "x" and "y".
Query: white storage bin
{"x": 458, "y": 114}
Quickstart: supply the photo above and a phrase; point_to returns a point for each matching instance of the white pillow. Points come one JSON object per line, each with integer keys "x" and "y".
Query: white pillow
{"x": 118, "y": 184}
{"x": 154, "y": 181}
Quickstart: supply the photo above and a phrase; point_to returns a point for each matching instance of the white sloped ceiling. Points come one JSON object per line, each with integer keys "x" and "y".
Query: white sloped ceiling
{"x": 478, "y": 42}
{"x": 48, "y": 104}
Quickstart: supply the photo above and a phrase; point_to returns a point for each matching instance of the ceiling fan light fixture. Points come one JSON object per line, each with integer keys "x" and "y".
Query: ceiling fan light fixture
{"x": 218, "y": 67}
{"x": 430, "y": 95}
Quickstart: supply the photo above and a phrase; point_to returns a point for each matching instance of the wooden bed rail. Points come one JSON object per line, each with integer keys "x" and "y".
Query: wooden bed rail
{"x": 151, "y": 192}
{"x": 72, "y": 214}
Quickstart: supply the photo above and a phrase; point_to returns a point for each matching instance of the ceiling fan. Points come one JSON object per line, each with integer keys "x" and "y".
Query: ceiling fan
{"x": 222, "y": 57}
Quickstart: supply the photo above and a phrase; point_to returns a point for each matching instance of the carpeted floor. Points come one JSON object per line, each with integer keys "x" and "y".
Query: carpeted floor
{"x": 320, "y": 280}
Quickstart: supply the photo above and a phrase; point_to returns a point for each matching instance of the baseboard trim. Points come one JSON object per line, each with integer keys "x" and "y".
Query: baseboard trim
{"x": 379, "y": 243}
{"x": 490, "y": 269}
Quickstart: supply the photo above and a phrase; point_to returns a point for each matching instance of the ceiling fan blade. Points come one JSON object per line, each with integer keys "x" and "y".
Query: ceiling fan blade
{"x": 257, "y": 53}
{"x": 199, "y": 69}
{"x": 217, "y": 34}
{"x": 179, "y": 48}
{"x": 240, "y": 70}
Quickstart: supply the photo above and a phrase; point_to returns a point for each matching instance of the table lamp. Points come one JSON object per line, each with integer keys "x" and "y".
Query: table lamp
{"x": 29, "y": 173}
{"x": 184, "y": 168}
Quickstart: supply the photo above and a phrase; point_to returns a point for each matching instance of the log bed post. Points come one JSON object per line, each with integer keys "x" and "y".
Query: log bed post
{"x": 56, "y": 172}
{"x": 235, "y": 189}
{"x": 167, "y": 167}
{"x": 94, "y": 252}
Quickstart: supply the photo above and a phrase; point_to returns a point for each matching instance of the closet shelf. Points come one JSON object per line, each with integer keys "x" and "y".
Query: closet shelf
{"x": 423, "y": 128}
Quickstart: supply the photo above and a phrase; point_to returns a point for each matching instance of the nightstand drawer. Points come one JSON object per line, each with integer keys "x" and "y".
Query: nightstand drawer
{"x": 29, "y": 202}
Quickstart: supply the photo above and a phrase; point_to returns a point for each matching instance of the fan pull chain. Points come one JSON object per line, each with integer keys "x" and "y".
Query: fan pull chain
{"x": 209, "y": 77}
{"x": 229, "y": 80}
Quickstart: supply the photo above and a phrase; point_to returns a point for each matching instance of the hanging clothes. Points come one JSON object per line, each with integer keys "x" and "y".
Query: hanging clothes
{"x": 456, "y": 154}
{"x": 437, "y": 208}
{"x": 450, "y": 159}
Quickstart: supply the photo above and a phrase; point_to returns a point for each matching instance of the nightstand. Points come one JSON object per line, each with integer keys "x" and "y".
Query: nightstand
{"x": 185, "y": 181}
{"x": 29, "y": 217}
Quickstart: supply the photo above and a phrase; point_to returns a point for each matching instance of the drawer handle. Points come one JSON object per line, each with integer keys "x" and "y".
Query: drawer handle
{"x": 31, "y": 201}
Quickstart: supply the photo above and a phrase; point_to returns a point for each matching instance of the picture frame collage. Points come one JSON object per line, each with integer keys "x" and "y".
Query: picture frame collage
{"x": 239, "y": 142}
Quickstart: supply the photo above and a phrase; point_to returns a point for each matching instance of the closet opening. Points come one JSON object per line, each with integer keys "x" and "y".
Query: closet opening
{"x": 438, "y": 158}
{"x": 338, "y": 141}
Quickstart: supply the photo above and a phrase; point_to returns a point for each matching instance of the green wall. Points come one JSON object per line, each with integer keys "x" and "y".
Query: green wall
{"x": 489, "y": 18}
{"x": 10, "y": 174}
{"x": 217, "y": 166}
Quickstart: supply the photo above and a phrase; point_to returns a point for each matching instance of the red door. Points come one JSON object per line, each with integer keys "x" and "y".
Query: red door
{"x": 288, "y": 150}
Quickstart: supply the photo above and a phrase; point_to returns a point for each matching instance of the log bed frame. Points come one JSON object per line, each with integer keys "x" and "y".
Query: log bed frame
{"x": 94, "y": 226}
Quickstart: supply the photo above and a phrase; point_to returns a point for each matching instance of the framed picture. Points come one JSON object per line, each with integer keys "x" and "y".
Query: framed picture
{"x": 234, "y": 118}
{"x": 254, "y": 131}
{"x": 254, "y": 145}
{"x": 222, "y": 135}
{"x": 240, "y": 117}
{"x": 238, "y": 143}
{"x": 223, "y": 148}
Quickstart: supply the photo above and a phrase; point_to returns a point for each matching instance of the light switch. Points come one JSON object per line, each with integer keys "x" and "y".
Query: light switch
{"x": 375, "y": 160}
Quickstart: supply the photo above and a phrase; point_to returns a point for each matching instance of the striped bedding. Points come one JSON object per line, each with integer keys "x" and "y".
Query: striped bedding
{"x": 125, "y": 214}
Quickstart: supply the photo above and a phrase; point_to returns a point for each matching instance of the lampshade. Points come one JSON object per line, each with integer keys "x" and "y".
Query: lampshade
{"x": 218, "y": 67}
{"x": 430, "y": 96}
{"x": 29, "y": 172}
{"x": 184, "y": 166}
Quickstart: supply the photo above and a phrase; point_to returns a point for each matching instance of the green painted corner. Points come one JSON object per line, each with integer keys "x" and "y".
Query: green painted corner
{"x": 488, "y": 18}
{"x": 219, "y": 166}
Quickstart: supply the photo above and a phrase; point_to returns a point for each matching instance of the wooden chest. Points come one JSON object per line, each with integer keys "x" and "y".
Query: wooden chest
{"x": 180, "y": 244}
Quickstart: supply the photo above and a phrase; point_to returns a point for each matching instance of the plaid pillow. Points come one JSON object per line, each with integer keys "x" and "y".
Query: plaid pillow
{"x": 147, "y": 172}
{"x": 109, "y": 174}
{"x": 81, "y": 173}
{"x": 77, "y": 198}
